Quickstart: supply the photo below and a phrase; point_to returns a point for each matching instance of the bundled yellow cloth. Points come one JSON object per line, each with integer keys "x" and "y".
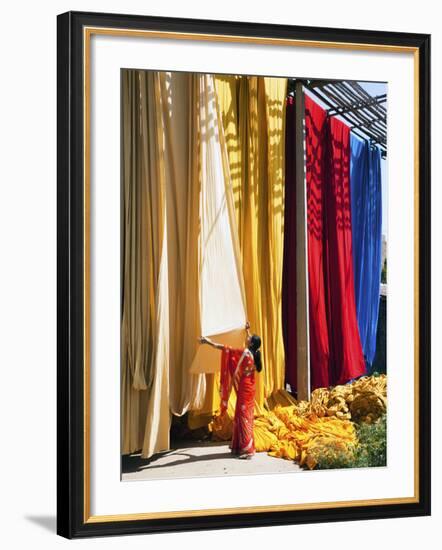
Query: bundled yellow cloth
{"x": 298, "y": 431}
{"x": 363, "y": 400}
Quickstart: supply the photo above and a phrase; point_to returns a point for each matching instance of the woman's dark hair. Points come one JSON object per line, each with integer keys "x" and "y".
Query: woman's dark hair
{"x": 255, "y": 344}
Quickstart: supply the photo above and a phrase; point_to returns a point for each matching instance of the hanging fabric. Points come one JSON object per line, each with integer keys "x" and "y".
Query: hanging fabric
{"x": 289, "y": 262}
{"x": 347, "y": 361}
{"x": 222, "y": 298}
{"x": 181, "y": 103}
{"x": 253, "y": 114}
{"x": 366, "y": 211}
{"x": 335, "y": 347}
{"x": 144, "y": 353}
{"x": 316, "y": 182}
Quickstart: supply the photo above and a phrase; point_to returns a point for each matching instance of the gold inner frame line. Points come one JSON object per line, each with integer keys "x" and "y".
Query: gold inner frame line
{"x": 87, "y": 33}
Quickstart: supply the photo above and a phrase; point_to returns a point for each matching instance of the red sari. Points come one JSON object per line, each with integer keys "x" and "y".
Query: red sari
{"x": 238, "y": 370}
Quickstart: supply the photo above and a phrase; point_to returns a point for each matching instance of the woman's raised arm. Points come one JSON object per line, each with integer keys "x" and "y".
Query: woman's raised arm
{"x": 205, "y": 340}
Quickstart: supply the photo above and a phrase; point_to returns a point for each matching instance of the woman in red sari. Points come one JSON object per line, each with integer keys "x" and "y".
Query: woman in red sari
{"x": 238, "y": 370}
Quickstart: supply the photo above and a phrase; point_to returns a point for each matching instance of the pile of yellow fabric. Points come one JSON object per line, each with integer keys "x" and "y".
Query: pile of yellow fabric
{"x": 298, "y": 431}
{"x": 286, "y": 434}
{"x": 363, "y": 400}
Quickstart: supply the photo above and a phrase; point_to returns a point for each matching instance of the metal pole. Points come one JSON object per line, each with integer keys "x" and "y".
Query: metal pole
{"x": 302, "y": 305}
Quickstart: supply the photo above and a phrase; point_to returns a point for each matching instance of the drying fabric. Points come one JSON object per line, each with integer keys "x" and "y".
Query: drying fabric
{"x": 222, "y": 295}
{"x": 253, "y": 114}
{"x": 335, "y": 346}
{"x": 299, "y": 430}
{"x": 167, "y": 156}
{"x": 363, "y": 400}
{"x": 366, "y": 212}
{"x": 181, "y": 104}
{"x": 316, "y": 182}
{"x": 347, "y": 360}
{"x": 144, "y": 269}
{"x": 300, "y": 438}
{"x": 289, "y": 307}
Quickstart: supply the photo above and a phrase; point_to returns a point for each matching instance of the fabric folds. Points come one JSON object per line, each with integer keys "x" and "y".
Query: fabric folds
{"x": 335, "y": 346}
{"x": 316, "y": 139}
{"x": 366, "y": 209}
{"x": 289, "y": 277}
{"x": 144, "y": 352}
{"x": 181, "y": 104}
{"x": 181, "y": 256}
{"x": 253, "y": 115}
{"x": 347, "y": 361}
{"x": 209, "y": 237}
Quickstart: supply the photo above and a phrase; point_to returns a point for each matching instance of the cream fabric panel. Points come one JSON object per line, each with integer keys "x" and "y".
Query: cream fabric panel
{"x": 158, "y": 418}
{"x": 222, "y": 289}
{"x": 180, "y": 102}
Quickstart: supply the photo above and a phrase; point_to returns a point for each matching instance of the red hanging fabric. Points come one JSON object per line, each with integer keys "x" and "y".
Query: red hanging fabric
{"x": 347, "y": 360}
{"x": 316, "y": 181}
{"x": 289, "y": 261}
{"x": 335, "y": 347}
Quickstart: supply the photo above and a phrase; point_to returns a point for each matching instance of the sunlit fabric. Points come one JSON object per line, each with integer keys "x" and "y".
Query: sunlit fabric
{"x": 253, "y": 114}
{"x": 316, "y": 139}
{"x": 173, "y": 176}
{"x": 144, "y": 329}
{"x": 300, "y": 430}
{"x": 347, "y": 360}
{"x": 366, "y": 211}
{"x": 180, "y": 110}
{"x": 222, "y": 296}
{"x": 221, "y": 291}
{"x": 335, "y": 347}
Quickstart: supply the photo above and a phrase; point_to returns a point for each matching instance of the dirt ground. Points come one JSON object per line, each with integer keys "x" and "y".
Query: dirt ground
{"x": 201, "y": 459}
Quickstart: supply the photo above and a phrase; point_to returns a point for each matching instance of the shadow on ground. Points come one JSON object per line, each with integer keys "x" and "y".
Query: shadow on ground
{"x": 135, "y": 463}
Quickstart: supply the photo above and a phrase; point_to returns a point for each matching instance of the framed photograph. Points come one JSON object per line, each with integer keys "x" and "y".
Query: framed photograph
{"x": 243, "y": 274}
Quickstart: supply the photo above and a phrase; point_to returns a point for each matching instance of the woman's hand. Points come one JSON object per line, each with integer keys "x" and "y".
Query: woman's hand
{"x": 247, "y": 325}
{"x": 202, "y": 340}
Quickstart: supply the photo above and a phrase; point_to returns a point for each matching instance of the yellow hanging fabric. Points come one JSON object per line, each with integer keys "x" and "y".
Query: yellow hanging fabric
{"x": 253, "y": 113}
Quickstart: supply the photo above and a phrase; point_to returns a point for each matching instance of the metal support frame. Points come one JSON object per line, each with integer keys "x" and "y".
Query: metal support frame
{"x": 302, "y": 298}
{"x": 366, "y": 115}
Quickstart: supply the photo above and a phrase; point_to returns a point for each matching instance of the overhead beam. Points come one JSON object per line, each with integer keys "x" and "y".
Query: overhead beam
{"x": 359, "y": 105}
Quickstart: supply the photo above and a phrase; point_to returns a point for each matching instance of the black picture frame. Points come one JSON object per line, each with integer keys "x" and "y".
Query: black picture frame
{"x": 72, "y": 513}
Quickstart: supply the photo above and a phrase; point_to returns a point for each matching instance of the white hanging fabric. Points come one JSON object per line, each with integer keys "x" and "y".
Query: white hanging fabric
{"x": 222, "y": 297}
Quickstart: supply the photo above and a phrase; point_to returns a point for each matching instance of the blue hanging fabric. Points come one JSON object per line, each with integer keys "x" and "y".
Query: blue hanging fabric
{"x": 366, "y": 214}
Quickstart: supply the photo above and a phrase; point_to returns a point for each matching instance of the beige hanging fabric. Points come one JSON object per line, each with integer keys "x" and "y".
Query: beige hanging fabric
{"x": 144, "y": 292}
{"x": 181, "y": 103}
